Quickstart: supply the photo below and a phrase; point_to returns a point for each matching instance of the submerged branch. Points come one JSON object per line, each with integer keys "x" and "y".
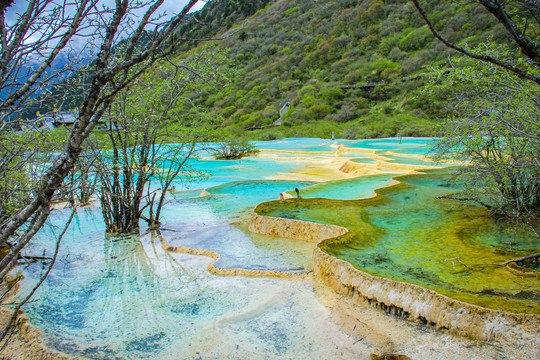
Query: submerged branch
{"x": 450, "y": 197}
{"x": 10, "y": 326}
{"x": 532, "y": 256}
{"x": 457, "y": 259}
{"x": 32, "y": 259}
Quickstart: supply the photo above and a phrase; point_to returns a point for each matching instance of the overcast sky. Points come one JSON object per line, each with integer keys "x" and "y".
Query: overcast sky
{"x": 171, "y": 7}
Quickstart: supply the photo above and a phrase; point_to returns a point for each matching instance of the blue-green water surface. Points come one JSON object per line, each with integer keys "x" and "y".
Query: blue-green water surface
{"x": 127, "y": 298}
{"x": 407, "y": 234}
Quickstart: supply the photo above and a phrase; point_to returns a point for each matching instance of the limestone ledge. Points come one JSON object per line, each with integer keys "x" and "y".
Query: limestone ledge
{"x": 232, "y": 272}
{"x": 204, "y": 193}
{"x": 345, "y": 150}
{"x": 403, "y": 167}
{"x": 294, "y": 229}
{"x": 425, "y": 304}
{"x": 407, "y": 300}
{"x": 358, "y": 169}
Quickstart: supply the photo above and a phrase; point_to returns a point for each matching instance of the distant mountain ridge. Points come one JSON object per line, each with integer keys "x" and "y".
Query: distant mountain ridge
{"x": 62, "y": 64}
{"x": 215, "y": 17}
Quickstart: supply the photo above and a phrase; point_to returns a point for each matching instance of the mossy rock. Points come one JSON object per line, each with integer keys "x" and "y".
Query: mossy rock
{"x": 389, "y": 357}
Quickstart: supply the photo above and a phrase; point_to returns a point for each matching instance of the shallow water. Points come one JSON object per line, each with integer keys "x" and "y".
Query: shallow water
{"x": 111, "y": 297}
{"x": 205, "y": 223}
{"x": 348, "y": 189}
{"x": 404, "y": 145}
{"x": 128, "y": 298}
{"x": 219, "y": 172}
{"x": 125, "y": 297}
{"x": 411, "y": 160}
{"x": 408, "y": 235}
{"x": 299, "y": 144}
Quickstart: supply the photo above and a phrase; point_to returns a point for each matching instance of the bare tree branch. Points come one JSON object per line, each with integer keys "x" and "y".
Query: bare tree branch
{"x": 532, "y": 256}
{"x": 103, "y": 88}
{"x": 529, "y": 48}
{"x": 12, "y": 321}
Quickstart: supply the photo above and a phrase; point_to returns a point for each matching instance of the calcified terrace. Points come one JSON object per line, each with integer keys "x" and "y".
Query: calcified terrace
{"x": 410, "y": 259}
{"x": 258, "y": 296}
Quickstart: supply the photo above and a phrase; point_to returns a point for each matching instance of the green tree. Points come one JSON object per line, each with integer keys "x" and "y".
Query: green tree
{"x": 233, "y": 149}
{"x": 138, "y": 152}
{"x": 38, "y": 33}
{"x": 494, "y": 121}
{"x": 494, "y": 126}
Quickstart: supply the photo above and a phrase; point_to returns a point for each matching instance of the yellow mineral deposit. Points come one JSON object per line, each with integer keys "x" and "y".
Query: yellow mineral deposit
{"x": 330, "y": 167}
{"x": 407, "y": 300}
{"x": 360, "y": 289}
{"x": 204, "y": 193}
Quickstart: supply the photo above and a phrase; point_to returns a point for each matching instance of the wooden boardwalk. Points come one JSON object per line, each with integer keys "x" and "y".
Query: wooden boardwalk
{"x": 367, "y": 85}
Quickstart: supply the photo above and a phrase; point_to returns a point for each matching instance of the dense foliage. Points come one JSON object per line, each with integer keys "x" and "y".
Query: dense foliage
{"x": 311, "y": 54}
{"x": 216, "y": 17}
{"x": 22, "y": 159}
{"x": 495, "y": 126}
{"x": 234, "y": 149}
{"x": 352, "y": 68}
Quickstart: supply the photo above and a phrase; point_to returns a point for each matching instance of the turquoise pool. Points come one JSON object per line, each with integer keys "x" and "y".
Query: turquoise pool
{"x": 126, "y": 297}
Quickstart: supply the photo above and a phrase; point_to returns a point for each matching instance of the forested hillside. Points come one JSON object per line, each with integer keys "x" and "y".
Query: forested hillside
{"x": 357, "y": 68}
{"x": 352, "y": 68}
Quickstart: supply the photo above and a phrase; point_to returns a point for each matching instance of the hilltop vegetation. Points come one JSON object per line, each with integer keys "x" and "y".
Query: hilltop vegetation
{"x": 309, "y": 52}
{"x": 318, "y": 56}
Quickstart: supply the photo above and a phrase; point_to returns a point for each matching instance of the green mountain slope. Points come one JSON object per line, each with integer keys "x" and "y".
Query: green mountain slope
{"x": 352, "y": 68}
{"x": 324, "y": 58}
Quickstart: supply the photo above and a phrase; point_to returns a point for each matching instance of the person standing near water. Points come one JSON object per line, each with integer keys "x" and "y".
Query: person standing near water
{"x": 297, "y": 193}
